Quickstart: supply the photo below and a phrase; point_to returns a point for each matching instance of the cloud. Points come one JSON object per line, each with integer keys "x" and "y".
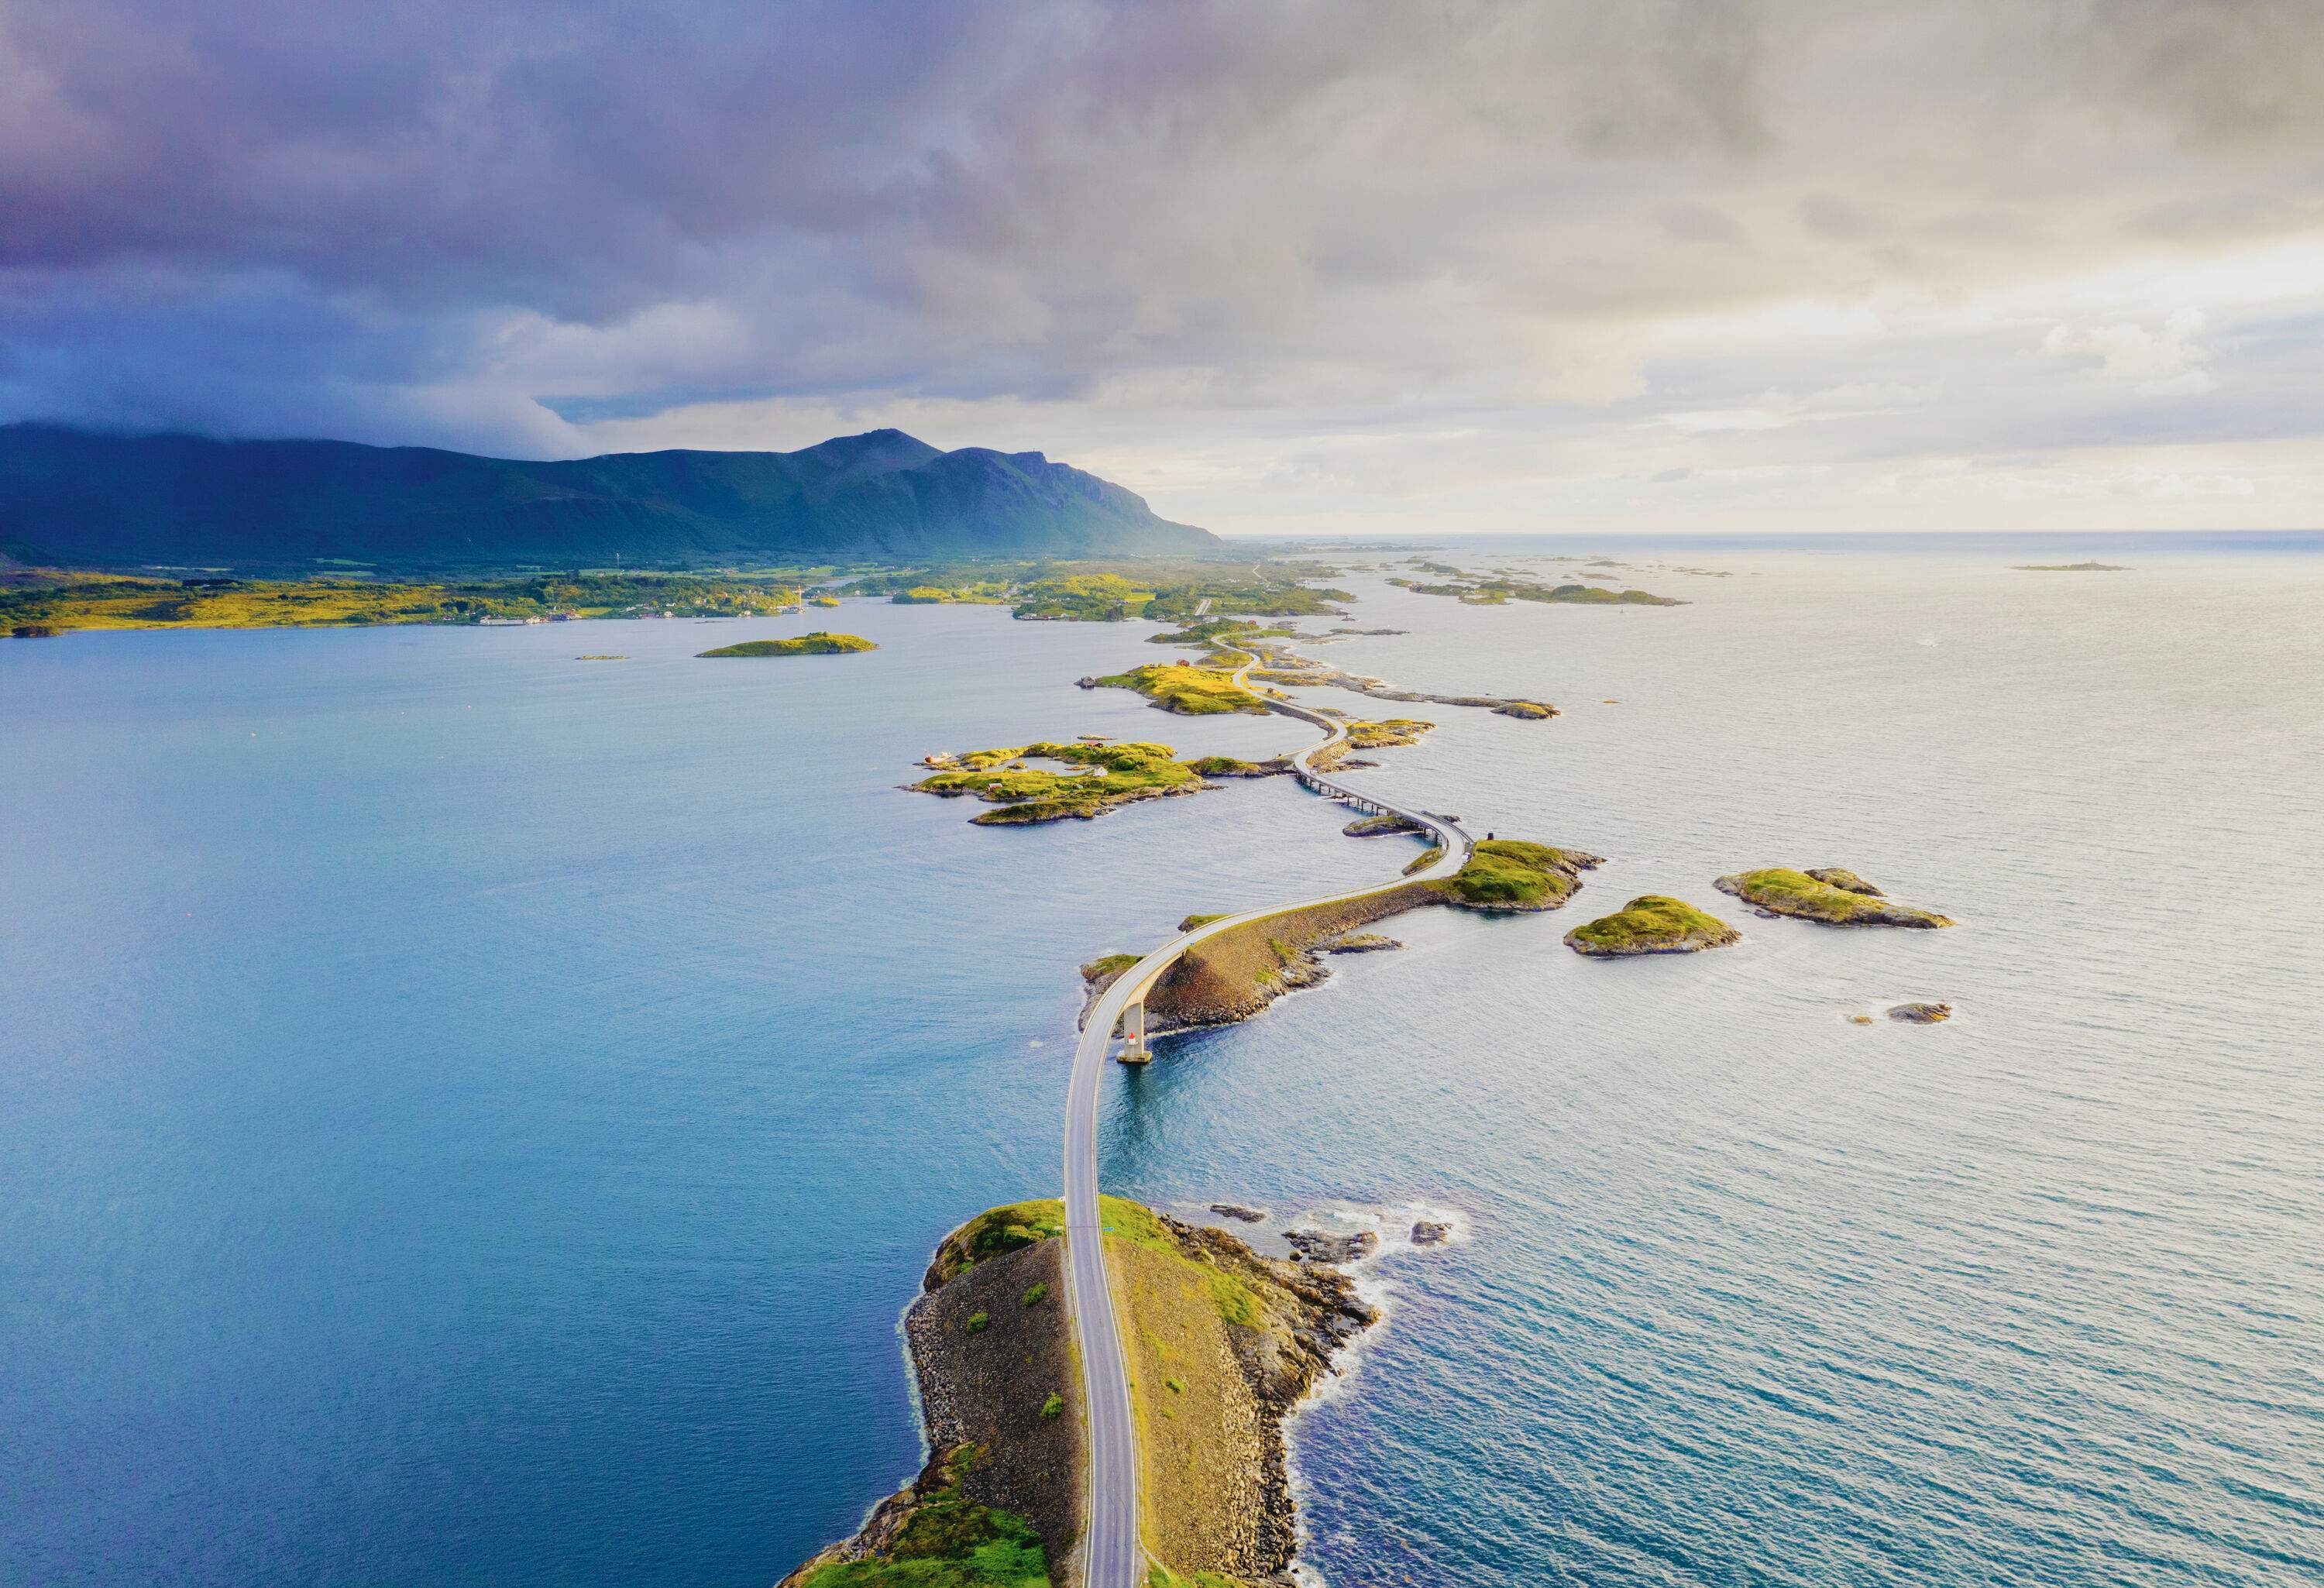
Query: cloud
{"x": 1269, "y": 255}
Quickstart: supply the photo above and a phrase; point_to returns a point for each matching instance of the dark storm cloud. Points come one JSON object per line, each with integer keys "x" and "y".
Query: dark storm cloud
{"x": 510, "y": 224}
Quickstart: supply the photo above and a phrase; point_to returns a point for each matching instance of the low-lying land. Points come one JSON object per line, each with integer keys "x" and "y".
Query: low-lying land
{"x": 1814, "y": 896}
{"x": 1491, "y": 590}
{"x": 1190, "y": 691}
{"x": 1283, "y": 667}
{"x": 1172, "y": 589}
{"x": 1652, "y": 923}
{"x": 1113, "y": 775}
{"x": 1389, "y": 734}
{"x": 1238, "y": 972}
{"x": 817, "y": 643}
{"x": 2069, "y": 568}
{"x": 39, "y": 603}
{"x": 1221, "y": 1345}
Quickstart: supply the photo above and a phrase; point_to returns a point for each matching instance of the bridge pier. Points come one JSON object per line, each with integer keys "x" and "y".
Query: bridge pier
{"x": 1133, "y": 1030}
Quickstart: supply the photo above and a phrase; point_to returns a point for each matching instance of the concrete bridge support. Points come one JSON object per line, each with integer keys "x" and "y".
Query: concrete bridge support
{"x": 1133, "y": 1031}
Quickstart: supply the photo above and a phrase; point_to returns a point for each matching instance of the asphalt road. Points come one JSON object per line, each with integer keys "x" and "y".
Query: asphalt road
{"x": 1114, "y": 1557}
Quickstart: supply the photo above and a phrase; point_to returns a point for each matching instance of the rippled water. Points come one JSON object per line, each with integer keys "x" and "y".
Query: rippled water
{"x": 473, "y": 1116}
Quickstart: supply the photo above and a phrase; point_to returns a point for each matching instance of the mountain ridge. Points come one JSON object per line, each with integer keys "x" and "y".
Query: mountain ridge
{"x": 95, "y": 499}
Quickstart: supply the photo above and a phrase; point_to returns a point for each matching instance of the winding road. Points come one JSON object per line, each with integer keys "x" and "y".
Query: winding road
{"x": 1113, "y": 1555}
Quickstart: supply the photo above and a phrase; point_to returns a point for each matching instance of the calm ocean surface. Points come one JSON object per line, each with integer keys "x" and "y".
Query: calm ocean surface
{"x": 471, "y": 1116}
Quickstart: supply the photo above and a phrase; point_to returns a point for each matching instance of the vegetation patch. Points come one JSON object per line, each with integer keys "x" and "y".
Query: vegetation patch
{"x": 1484, "y": 590}
{"x": 1802, "y": 896}
{"x": 1652, "y": 923}
{"x": 1111, "y": 775}
{"x": 1191, "y": 691}
{"x": 939, "y": 1537}
{"x": 1510, "y": 875}
{"x": 58, "y": 601}
{"x": 995, "y": 1233}
{"x": 818, "y": 644}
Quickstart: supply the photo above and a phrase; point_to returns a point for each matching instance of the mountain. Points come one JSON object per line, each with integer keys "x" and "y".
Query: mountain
{"x": 86, "y": 499}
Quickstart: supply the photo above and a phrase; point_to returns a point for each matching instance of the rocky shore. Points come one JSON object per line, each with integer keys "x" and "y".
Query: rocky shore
{"x": 1225, "y": 1344}
{"x": 1831, "y": 895}
{"x": 1652, "y": 923}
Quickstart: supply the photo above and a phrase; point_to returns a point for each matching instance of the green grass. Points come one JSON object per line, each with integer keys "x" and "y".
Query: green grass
{"x": 1649, "y": 922}
{"x": 1477, "y": 590}
{"x": 818, "y": 644}
{"x": 1109, "y": 964}
{"x": 1223, "y": 766}
{"x": 1036, "y": 1293}
{"x": 1508, "y": 873}
{"x": 1192, "y": 921}
{"x": 1786, "y": 892}
{"x": 64, "y": 602}
{"x": 978, "y": 1321}
{"x": 997, "y": 1231}
{"x": 1117, "y": 772}
{"x": 1162, "y": 1576}
{"x": 1054, "y": 1406}
{"x": 950, "y": 1541}
{"x": 1190, "y": 691}
{"x": 1388, "y": 733}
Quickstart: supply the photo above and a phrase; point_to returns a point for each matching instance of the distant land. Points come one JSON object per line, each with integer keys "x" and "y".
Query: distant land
{"x": 87, "y": 499}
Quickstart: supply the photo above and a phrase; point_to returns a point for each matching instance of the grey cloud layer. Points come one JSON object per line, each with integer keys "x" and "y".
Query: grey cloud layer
{"x": 487, "y": 224}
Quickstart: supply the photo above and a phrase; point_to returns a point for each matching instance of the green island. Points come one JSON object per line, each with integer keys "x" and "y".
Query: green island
{"x": 1184, "y": 689}
{"x": 1652, "y": 923}
{"x": 1236, "y": 973}
{"x": 1511, "y": 874}
{"x": 37, "y": 603}
{"x": 2068, "y": 568}
{"x": 1830, "y": 895}
{"x": 1222, "y": 1343}
{"x": 1390, "y": 733}
{"x": 1485, "y": 590}
{"x": 818, "y": 644}
{"x": 1169, "y": 589}
{"x": 1110, "y": 776}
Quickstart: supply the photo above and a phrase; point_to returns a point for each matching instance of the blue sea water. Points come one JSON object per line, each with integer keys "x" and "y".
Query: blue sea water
{"x": 473, "y": 1117}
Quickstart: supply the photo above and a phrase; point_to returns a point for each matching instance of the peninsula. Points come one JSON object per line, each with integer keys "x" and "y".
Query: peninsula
{"x": 1226, "y": 1342}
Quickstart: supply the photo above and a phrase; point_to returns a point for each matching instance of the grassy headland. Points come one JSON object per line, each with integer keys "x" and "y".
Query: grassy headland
{"x": 1511, "y": 874}
{"x": 1190, "y": 691}
{"x": 1652, "y": 923}
{"x": 1222, "y": 1344}
{"x": 818, "y": 644}
{"x": 1114, "y": 775}
{"x": 1812, "y": 897}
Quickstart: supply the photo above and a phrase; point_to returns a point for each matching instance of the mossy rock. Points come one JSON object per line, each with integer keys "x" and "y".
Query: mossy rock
{"x": 1652, "y": 923}
{"x": 1190, "y": 691}
{"x": 818, "y": 644}
{"x": 1512, "y": 874}
{"x": 1783, "y": 891}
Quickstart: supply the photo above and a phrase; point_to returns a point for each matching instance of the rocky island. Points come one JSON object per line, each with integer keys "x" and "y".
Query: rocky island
{"x": 818, "y": 644}
{"x": 1186, "y": 689}
{"x": 1652, "y": 923}
{"x": 1238, "y": 972}
{"x": 1829, "y": 894}
{"x": 1089, "y": 779}
{"x": 1223, "y": 1344}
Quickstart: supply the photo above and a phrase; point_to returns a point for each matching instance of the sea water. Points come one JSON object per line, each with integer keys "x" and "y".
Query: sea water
{"x": 471, "y": 1115}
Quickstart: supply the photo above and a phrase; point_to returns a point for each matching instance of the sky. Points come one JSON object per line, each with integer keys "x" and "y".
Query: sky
{"x": 1365, "y": 267}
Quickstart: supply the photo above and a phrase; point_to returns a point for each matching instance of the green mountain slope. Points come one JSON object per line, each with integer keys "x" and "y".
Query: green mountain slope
{"x": 81, "y": 499}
